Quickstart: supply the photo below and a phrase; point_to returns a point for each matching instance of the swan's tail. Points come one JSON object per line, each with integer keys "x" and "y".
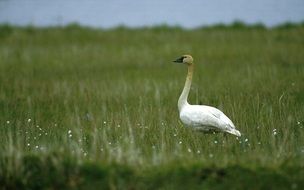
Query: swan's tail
{"x": 234, "y": 132}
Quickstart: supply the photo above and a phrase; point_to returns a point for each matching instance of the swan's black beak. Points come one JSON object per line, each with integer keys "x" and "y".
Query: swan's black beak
{"x": 179, "y": 60}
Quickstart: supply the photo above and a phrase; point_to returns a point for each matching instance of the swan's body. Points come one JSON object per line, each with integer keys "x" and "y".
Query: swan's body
{"x": 201, "y": 117}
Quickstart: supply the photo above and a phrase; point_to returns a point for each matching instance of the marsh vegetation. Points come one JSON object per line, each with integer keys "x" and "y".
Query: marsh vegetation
{"x": 99, "y": 107}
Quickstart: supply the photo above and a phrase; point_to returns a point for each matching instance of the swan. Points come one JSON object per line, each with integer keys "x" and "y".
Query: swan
{"x": 201, "y": 117}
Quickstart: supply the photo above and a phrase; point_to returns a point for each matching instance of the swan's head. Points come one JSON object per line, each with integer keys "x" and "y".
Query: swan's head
{"x": 185, "y": 59}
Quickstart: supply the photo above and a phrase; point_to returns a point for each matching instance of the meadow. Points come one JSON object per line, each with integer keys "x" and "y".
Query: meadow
{"x": 82, "y": 108}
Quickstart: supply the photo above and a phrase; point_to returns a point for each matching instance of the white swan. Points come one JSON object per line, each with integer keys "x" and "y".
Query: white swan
{"x": 200, "y": 117}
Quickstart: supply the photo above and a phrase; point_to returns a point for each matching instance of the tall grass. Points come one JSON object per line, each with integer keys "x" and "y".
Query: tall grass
{"x": 110, "y": 96}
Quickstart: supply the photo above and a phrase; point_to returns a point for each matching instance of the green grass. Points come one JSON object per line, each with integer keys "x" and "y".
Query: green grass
{"x": 99, "y": 108}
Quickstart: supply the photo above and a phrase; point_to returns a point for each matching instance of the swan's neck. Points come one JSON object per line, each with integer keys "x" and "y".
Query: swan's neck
{"x": 183, "y": 99}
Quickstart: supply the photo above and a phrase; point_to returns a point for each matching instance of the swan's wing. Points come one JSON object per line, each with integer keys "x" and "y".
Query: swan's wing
{"x": 194, "y": 115}
{"x": 220, "y": 115}
{"x": 224, "y": 120}
{"x": 197, "y": 116}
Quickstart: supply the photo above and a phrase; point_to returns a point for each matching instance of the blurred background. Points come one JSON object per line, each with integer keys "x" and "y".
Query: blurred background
{"x": 137, "y": 13}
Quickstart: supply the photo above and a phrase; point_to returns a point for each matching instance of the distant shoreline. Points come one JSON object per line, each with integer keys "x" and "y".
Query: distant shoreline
{"x": 233, "y": 25}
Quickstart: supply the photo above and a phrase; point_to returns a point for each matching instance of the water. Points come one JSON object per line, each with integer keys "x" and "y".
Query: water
{"x": 110, "y": 13}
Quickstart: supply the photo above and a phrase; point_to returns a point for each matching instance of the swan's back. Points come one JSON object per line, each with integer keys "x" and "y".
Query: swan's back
{"x": 207, "y": 118}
